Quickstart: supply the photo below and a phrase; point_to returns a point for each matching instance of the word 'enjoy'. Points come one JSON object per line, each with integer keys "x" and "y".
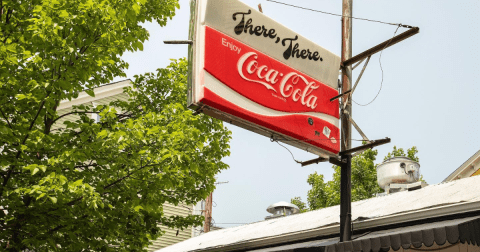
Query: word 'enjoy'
{"x": 231, "y": 46}
{"x": 293, "y": 50}
{"x": 269, "y": 77}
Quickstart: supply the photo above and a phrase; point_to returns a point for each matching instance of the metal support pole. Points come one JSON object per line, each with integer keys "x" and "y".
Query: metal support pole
{"x": 346, "y": 72}
{"x": 346, "y": 132}
{"x": 345, "y": 199}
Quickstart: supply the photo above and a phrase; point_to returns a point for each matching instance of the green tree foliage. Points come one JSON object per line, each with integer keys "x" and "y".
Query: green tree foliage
{"x": 364, "y": 180}
{"x": 411, "y": 153}
{"x": 91, "y": 186}
{"x": 300, "y": 204}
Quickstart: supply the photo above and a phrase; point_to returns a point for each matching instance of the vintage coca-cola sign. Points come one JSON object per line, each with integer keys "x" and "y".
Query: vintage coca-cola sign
{"x": 250, "y": 71}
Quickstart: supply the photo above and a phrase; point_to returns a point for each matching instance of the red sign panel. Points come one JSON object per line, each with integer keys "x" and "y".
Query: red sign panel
{"x": 273, "y": 85}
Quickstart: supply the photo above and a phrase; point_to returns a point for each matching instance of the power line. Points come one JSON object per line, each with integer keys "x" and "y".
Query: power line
{"x": 338, "y": 15}
{"x": 232, "y": 223}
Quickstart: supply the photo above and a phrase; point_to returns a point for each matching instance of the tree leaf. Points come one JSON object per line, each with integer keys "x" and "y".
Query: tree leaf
{"x": 53, "y": 199}
{"x": 34, "y": 170}
{"x": 63, "y": 14}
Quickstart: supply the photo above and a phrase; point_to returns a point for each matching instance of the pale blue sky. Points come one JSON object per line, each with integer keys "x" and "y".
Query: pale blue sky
{"x": 429, "y": 98}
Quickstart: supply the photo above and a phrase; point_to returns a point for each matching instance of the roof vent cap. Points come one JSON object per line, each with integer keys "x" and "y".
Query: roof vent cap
{"x": 281, "y": 209}
{"x": 399, "y": 174}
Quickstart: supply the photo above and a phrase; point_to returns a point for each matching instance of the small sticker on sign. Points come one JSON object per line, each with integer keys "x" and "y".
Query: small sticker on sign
{"x": 326, "y": 131}
{"x": 333, "y": 140}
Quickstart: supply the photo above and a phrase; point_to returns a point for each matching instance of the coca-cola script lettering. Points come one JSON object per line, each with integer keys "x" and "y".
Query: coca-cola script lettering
{"x": 264, "y": 80}
{"x": 291, "y": 85}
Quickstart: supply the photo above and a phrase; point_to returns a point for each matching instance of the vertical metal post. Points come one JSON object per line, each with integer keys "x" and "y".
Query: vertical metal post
{"x": 346, "y": 199}
{"x": 346, "y": 141}
{"x": 208, "y": 213}
{"x": 346, "y": 71}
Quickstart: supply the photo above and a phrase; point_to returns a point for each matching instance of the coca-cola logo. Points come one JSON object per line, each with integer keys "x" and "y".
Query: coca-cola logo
{"x": 293, "y": 49}
{"x": 291, "y": 85}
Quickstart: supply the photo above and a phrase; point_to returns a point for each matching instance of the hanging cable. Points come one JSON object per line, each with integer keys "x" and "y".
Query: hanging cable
{"x": 273, "y": 140}
{"x": 379, "y": 61}
{"x": 338, "y": 15}
{"x": 234, "y": 223}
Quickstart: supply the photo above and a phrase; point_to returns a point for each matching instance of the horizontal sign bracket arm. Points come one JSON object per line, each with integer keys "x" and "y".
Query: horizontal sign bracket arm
{"x": 336, "y": 161}
{"x": 198, "y": 110}
{"x": 178, "y": 42}
{"x": 366, "y": 146}
{"x": 340, "y": 95}
{"x": 313, "y": 161}
{"x": 381, "y": 46}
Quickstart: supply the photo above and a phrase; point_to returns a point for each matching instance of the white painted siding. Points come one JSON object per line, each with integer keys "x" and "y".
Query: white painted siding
{"x": 170, "y": 237}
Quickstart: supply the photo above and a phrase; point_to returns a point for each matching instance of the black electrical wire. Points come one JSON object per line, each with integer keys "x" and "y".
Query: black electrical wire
{"x": 379, "y": 61}
{"x": 273, "y": 140}
{"x": 338, "y": 15}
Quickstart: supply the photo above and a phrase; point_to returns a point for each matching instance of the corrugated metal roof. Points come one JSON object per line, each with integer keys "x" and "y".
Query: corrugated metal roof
{"x": 389, "y": 209}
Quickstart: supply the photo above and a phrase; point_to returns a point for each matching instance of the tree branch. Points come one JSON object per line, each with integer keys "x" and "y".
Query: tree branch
{"x": 73, "y": 202}
{"x": 74, "y": 112}
{"x": 8, "y": 122}
{"x": 62, "y": 226}
{"x": 9, "y": 15}
{"x": 9, "y": 173}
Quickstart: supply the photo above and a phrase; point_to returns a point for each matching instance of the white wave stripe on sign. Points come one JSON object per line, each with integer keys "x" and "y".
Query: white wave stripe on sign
{"x": 232, "y": 96}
